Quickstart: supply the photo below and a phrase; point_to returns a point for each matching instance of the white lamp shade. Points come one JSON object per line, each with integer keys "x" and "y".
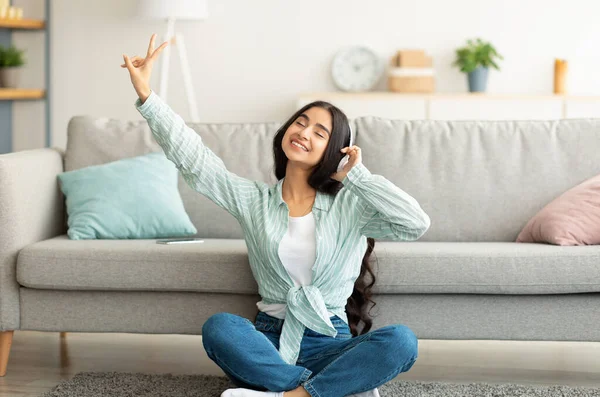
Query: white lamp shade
{"x": 178, "y": 9}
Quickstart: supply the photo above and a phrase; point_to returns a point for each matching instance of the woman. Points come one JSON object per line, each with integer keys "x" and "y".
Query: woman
{"x": 306, "y": 237}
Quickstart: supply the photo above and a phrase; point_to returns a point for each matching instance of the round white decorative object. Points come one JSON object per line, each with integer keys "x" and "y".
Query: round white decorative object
{"x": 356, "y": 68}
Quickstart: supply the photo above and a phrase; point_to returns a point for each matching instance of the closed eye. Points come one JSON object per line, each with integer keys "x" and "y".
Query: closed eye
{"x": 302, "y": 125}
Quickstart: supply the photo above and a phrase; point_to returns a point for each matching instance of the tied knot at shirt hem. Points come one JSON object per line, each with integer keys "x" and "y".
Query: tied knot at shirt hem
{"x": 306, "y": 303}
{"x": 305, "y": 309}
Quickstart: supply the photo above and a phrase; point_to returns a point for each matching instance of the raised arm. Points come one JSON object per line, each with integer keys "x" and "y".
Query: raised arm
{"x": 201, "y": 168}
{"x": 384, "y": 210}
{"x": 387, "y": 212}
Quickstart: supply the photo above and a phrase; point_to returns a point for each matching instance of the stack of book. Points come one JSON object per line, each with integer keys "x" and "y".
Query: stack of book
{"x": 411, "y": 71}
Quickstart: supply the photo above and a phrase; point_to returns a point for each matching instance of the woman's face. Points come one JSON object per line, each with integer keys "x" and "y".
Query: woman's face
{"x": 312, "y": 129}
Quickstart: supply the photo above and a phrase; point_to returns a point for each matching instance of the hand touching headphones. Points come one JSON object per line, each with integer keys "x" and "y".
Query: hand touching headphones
{"x": 353, "y": 157}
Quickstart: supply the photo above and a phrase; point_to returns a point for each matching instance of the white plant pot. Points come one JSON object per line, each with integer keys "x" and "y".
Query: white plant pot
{"x": 10, "y": 77}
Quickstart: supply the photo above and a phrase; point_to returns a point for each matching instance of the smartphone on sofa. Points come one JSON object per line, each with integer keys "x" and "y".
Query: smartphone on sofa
{"x": 190, "y": 240}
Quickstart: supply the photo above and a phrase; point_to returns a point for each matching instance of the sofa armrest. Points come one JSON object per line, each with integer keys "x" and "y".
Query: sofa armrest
{"x": 32, "y": 209}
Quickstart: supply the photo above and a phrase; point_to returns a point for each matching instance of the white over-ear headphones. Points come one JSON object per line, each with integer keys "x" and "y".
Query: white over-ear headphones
{"x": 346, "y": 157}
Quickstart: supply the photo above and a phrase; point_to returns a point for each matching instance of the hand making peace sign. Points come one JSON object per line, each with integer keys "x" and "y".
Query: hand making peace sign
{"x": 140, "y": 69}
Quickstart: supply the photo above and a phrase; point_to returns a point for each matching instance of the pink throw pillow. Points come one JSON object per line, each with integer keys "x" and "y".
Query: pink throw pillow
{"x": 573, "y": 218}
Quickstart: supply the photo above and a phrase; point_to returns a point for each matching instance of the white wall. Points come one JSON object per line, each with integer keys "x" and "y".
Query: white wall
{"x": 251, "y": 59}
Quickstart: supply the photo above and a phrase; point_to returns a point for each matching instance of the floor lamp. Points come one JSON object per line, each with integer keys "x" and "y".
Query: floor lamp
{"x": 172, "y": 11}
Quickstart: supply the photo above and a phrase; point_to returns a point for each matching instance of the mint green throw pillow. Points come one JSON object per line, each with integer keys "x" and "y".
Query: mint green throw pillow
{"x": 134, "y": 198}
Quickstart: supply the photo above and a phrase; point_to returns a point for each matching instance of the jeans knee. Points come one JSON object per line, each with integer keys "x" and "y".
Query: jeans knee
{"x": 404, "y": 345}
{"x": 406, "y": 338}
{"x": 215, "y": 326}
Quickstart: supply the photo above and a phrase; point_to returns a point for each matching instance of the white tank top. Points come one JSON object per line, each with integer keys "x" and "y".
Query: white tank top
{"x": 298, "y": 252}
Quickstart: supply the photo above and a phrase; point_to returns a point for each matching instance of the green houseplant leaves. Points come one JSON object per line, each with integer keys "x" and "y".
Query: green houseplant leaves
{"x": 476, "y": 53}
{"x": 11, "y": 57}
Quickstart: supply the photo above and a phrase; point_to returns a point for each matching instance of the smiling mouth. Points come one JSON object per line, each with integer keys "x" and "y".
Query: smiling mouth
{"x": 298, "y": 145}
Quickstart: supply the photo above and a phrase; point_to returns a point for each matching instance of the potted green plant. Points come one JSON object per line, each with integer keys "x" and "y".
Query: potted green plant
{"x": 475, "y": 59}
{"x": 11, "y": 60}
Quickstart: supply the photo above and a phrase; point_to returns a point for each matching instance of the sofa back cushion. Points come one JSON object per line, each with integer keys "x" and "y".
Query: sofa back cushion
{"x": 477, "y": 180}
{"x": 245, "y": 148}
{"x": 480, "y": 180}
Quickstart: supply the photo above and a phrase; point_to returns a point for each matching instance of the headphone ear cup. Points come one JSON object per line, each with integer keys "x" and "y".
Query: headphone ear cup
{"x": 342, "y": 163}
{"x": 344, "y": 160}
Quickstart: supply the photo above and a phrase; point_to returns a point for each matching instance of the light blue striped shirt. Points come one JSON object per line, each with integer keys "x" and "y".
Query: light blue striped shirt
{"x": 369, "y": 205}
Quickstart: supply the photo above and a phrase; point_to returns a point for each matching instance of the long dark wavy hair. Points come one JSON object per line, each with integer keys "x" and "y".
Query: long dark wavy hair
{"x": 320, "y": 179}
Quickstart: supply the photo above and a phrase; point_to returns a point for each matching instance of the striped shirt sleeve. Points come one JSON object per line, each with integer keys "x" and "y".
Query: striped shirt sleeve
{"x": 387, "y": 212}
{"x": 200, "y": 167}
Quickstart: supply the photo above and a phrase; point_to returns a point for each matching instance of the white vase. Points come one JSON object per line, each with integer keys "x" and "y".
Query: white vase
{"x": 10, "y": 76}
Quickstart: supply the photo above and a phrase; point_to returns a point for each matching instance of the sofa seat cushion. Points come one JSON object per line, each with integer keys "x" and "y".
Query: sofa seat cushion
{"x": 221, "y": 265}
{"x": 486, "y": 268}
{"x": 217, "y": 265}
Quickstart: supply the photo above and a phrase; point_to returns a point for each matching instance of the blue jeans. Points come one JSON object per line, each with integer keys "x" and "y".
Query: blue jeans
{"x": 327, "y": 366}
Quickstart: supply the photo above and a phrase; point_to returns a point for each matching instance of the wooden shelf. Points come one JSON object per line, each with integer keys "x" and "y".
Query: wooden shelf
{"x": 22, "y": 24}
{"x": 21, "y": 93}
{"x": 441, "y": 95}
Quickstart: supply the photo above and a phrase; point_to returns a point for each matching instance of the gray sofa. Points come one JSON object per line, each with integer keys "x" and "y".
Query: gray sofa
{"x": 466, "y": 278}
